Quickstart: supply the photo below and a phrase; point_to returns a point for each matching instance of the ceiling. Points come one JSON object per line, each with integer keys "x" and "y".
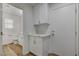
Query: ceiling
{"x": 22, "y": 5}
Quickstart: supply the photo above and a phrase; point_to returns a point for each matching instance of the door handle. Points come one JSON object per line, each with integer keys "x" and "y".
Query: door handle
{"x": 53, "y": 33}
{"x": 1, "y": 33}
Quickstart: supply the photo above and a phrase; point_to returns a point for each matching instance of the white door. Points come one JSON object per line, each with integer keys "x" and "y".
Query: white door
{"x": 63, "y": 21}
{"x": 12, "y": 28}
{"x": 12, "y": 24}
{"x": 9, "y": 33}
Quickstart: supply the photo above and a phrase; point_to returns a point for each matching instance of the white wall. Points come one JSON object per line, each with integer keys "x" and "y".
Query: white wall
{"x": 53, "y": 7}
{"x": 28, "y": 25}
{"x": 40, "y": 13}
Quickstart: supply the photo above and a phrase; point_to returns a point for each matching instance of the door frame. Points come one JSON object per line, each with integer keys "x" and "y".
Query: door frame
{"x": 76, "y": 29}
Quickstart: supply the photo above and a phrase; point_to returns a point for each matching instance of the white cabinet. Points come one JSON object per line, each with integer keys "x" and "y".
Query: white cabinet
{"x": 40, "y": 13}
{"x": 39, "y": 45}
{"x": 36, "y": 45}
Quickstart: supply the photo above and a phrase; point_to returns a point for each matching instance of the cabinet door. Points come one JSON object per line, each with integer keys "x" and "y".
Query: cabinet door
{"x": 63, "y": 21}
{"x": 36, "y": 45}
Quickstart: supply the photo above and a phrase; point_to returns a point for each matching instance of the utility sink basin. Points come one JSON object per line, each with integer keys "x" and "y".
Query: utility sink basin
{"x": 41, "y": 28}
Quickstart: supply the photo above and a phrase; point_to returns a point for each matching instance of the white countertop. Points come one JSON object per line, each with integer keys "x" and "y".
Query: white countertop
{"x": 39, "y": 35}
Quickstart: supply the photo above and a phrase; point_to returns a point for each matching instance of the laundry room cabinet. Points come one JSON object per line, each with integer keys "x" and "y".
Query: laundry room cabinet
{"x": 40, "y": 13}
{"x": 38, "y": 45}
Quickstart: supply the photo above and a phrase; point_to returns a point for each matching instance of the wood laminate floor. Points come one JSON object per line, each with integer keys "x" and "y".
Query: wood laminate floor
{"x": 16, "y": 48}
